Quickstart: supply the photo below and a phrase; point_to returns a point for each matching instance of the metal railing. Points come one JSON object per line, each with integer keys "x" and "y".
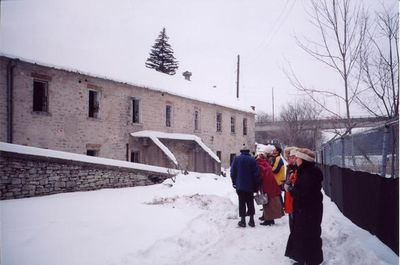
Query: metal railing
{"x": 374, "y": 150}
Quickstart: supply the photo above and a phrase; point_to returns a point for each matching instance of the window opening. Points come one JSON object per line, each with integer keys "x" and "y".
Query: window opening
{"x": 233, "y": 125}
{"x": 168, "y": 114}
{"x": 231, "y": 158}
{"x": 135, "y": 157}
{"x": 196, "y": 120}
{"x": 40, "y": 91}
{"x": 219, "y": 155}
{"x": 135, "y": 110}
{"x": 91, "y": 152}
{"x": 244, "y": 126}
{"x": 93, "y": 104}
{"x": 219, "y": 122}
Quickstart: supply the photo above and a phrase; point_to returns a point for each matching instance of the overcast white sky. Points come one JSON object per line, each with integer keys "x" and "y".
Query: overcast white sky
{"x": 113, "y": 39}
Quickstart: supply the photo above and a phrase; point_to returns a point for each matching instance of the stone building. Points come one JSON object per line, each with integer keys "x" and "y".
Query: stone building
{"x": 49, "y": 107}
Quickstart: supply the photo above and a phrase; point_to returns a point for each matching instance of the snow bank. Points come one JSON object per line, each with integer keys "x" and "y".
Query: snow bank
{"x": 190, "y": 221}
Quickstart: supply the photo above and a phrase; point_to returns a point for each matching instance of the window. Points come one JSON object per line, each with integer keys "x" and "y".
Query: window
{"x": 231, "y": 158}
{"x": 168, "y": 115}
{"x": 219, "y": 155}
{"x": 233, "y": 125}
{"x": 91, "y": 152}
{"x": 196, "y": 120}
{"x": 40, "y": 91}
{"x": 219, "y": 122}
{"x": 135, "y": 110}
{"x": 135, "y": 157}
{"x": 93, "y": 104}
{"x": 244, "y": 126}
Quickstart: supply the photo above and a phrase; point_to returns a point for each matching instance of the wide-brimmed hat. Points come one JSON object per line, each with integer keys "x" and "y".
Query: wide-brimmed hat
{"x": 304, "y": 153}
{"x": 288, "y": 150}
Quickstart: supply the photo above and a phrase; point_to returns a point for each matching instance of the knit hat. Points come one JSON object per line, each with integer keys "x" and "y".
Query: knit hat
{"x": 304, "y": 153}
{"x": 269, "y": 149}
{"x": 245, "y": 147}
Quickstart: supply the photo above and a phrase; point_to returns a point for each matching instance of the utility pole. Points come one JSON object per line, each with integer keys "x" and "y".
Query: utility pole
{"x": 273, "y": 108}
{"x": 237, "y": 76}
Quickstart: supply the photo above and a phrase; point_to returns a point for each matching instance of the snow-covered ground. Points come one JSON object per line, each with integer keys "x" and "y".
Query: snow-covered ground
{"x": 192, "y": 221}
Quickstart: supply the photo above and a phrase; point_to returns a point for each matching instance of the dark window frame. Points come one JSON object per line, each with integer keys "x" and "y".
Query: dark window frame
{"x": 168, "y": 115}
{"x": 231, "y": 158}
{"x": 244, "y": 126}
{"x": 135, "y": 157}
{"x": 40, "y": 98}
{"x": 135, "y": 110}
{"x": 233, "y": 125}
{"x": 219, "y": 154}
{"x": 219, "y": 121}
{"x": 93, "y": 104}
{"x": 196, "y": 120}
{"x": 92, "y": 152}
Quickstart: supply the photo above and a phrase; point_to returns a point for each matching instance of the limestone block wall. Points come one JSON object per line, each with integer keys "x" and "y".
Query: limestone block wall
{"x": 24, "y": 176}
{"x": 67, "y": 127}
{"x": 3, "y": 100}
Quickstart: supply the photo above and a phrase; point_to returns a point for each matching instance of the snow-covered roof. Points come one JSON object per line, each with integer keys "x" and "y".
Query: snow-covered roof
{"x": 155, "y": 135}
{"x": 156, "y": 81}
{"x": 28, "y": 150}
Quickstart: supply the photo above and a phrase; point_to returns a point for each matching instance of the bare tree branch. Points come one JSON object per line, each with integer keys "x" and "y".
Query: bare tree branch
{"x": 380, "y": 63}
{"x": 298, "y": 84}
{"x": 342, "y": 26}
{"x": 296, "y": 116}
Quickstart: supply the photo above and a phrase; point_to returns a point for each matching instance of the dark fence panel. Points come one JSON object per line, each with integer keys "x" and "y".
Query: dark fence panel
{"x": 388, "y": 222}
{"x": 336, "y": 186}
{"x": 326, "y": 184}
{"x": 368, "y": 200}
{"x": 361, "y": 192}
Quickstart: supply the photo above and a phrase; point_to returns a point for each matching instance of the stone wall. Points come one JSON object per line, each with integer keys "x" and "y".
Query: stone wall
{"x": 3, "y": 100}
{"x": 24, "y": 176}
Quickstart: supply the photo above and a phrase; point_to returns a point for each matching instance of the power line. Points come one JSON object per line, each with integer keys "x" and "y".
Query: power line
{"x": 279, "y": 22}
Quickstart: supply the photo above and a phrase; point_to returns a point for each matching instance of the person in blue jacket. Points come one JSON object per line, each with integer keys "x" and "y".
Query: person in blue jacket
{"x": 245, "y": 179}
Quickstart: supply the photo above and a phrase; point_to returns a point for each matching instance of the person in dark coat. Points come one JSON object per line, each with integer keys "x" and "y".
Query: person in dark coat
{"x": 305, "y": 244}
{"x": 245, "y": 179}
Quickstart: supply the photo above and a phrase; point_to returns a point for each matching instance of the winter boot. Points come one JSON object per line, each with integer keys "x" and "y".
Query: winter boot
{"x": 268, "y": 222}
{"x": 251, "y": 222}
{"x": 242, "y": 222}
{"x": 261, "y": 218}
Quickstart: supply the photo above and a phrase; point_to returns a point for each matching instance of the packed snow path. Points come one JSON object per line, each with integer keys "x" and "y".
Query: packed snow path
{"x": 192, "y": 221}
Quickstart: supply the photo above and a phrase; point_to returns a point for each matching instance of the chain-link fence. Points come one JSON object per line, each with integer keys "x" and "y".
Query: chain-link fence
{"x": 375, "y": 151}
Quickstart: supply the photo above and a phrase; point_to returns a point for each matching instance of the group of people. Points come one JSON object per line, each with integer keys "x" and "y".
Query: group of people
{"x": 300, "y": 180}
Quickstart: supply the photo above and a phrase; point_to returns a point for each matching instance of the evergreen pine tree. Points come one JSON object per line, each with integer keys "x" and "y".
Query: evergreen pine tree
{"x": 161, "y": 56}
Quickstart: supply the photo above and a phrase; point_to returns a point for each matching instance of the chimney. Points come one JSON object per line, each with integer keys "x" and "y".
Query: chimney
{"x": 187, "y": 75}
{"x": 253, "y": 107}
